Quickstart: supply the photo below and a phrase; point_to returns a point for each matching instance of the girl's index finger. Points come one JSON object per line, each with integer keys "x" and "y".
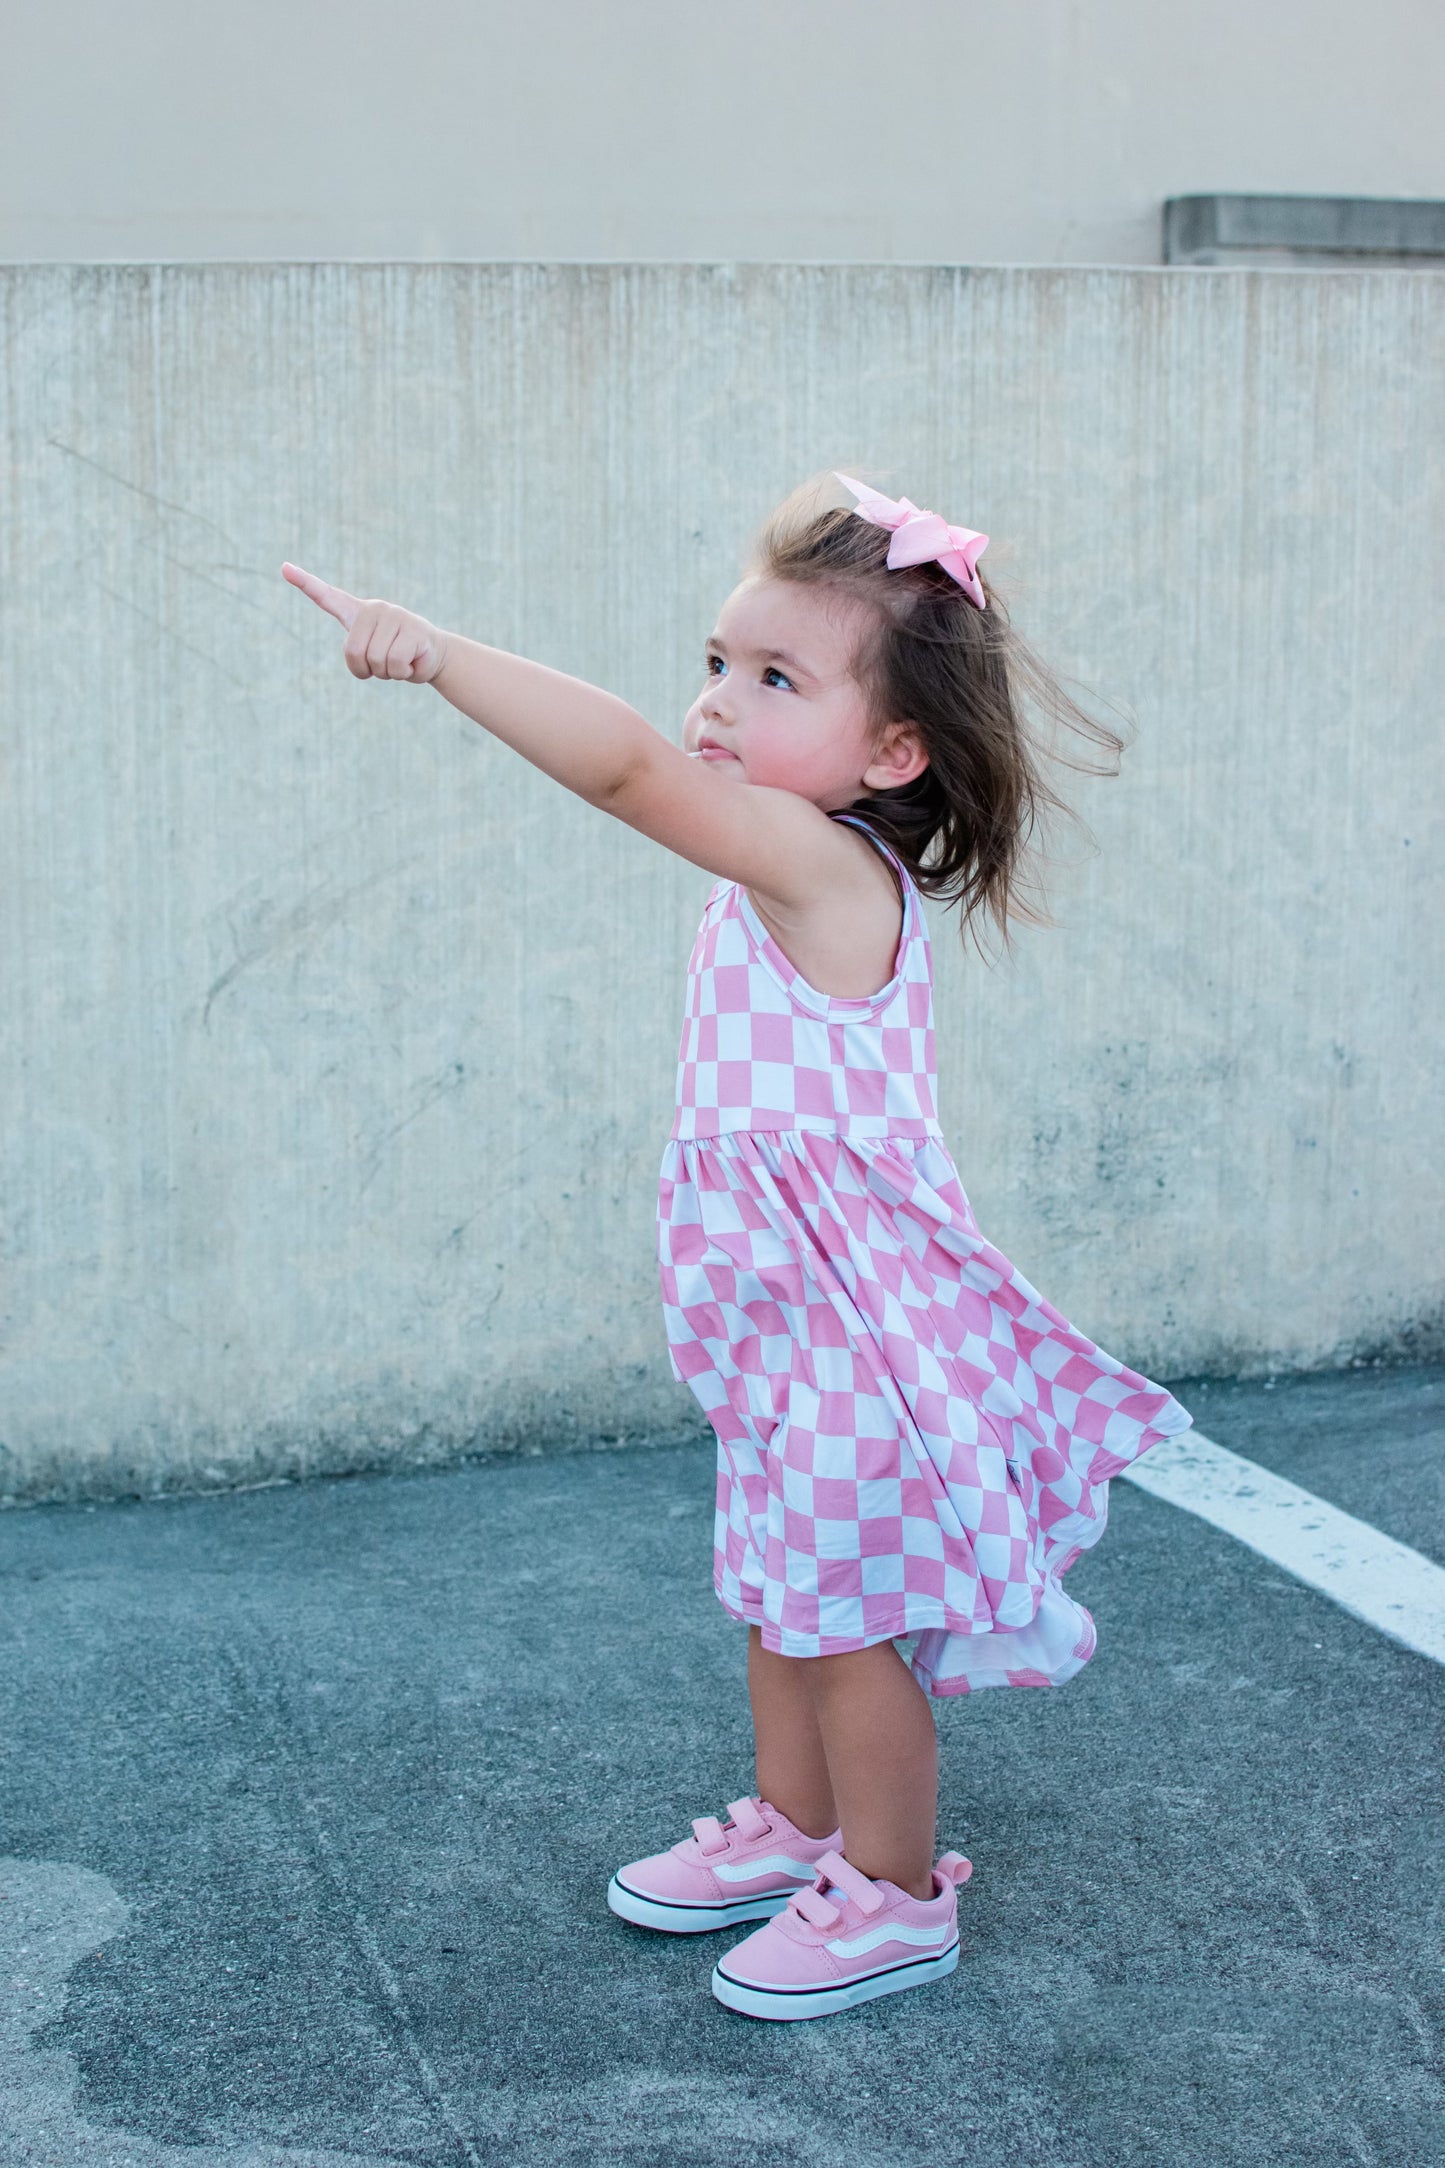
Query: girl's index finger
{"x": 336, "y": 600}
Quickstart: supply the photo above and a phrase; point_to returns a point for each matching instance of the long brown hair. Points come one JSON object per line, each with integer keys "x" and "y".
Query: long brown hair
{"x": 971, "y": 687}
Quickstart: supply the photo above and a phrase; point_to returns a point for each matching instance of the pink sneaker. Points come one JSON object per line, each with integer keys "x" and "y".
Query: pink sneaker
{"x": 842, "y": 1942}
{"x": 746, "y": 1869}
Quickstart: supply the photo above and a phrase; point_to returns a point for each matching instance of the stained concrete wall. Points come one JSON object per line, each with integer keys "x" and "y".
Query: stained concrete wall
{"x": 943, "y": 131}
{"x": 340, "y": 1042}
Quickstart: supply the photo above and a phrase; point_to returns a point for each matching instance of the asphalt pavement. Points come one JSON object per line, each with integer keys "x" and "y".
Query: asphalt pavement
{"x": 309, "y": 1797}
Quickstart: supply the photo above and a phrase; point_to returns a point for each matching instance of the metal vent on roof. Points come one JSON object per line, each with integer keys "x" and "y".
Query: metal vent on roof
{"x": 1337, "y": 231}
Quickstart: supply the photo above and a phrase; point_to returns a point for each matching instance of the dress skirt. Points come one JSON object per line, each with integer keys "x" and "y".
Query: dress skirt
{"x": 912, "y": 1444}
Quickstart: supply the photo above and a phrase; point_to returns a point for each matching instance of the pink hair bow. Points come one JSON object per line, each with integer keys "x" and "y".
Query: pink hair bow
{"x": 923, "y": 537}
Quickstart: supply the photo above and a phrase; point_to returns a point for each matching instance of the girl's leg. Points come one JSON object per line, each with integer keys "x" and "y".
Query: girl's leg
{"x": 792, "y": 1767}
{"x": 882, "y": 1754}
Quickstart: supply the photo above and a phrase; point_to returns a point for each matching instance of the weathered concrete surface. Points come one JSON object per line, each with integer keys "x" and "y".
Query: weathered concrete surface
{"x": 312, "y": 1795}
{"x": 341, "y": 1042}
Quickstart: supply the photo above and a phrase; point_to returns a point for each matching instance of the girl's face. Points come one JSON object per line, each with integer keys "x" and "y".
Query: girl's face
{"x": 781, "y": 706}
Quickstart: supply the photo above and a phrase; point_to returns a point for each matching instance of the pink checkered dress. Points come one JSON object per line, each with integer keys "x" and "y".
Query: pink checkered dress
{"x": 912, "y": 1443}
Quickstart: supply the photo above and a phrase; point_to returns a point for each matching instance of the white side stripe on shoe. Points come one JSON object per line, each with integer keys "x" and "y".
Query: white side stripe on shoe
{"x": 775, "y": 1863}
{"x": 921, "y": 1937}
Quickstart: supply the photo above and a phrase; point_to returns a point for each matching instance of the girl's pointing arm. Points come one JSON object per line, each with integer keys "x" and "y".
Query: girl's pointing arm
{"x": 582, "y": 737}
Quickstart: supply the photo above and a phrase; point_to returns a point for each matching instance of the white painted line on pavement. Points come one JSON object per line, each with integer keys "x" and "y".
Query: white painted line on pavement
{"x": 1381, "y": 1581}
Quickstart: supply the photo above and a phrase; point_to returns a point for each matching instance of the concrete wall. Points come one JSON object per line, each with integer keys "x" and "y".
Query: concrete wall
{"x": 941, "y": 131}
{"x": 340, "y": 1041}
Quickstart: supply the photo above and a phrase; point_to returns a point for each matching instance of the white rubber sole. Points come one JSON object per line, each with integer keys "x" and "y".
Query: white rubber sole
{"x": 671, "y": 1919}
{"x": 789, "y": 2002}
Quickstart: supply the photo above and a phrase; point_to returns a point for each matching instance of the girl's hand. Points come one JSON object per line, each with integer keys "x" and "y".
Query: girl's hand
{"x": 382, "y": 639}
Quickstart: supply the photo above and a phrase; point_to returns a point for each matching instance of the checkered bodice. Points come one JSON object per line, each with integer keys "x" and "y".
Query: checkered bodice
{"x": 763, "y": 1050}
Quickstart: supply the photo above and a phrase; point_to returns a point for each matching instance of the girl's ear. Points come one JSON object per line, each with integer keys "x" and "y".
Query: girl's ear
{"x": 898, "y": 760}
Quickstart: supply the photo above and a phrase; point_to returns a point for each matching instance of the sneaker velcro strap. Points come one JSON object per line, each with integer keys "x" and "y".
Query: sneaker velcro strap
{"x": 743, "y": 1813}
{"x": 708, "y": 1831}
{"x": 812, "y": 1906}
{"x": 866, "y": 1895}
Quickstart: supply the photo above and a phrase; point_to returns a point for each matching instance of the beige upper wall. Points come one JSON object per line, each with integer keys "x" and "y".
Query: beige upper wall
{"x": 1033, "y": 131}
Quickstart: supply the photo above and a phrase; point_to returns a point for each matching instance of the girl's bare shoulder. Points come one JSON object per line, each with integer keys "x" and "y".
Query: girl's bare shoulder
{"x": 843, "y": 941}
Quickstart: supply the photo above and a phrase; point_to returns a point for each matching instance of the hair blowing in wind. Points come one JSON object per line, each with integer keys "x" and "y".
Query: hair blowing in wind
{"x": 990, "y": 714}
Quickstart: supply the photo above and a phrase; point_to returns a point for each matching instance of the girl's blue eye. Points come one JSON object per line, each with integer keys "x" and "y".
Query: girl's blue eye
{"x": 716, "y": 667}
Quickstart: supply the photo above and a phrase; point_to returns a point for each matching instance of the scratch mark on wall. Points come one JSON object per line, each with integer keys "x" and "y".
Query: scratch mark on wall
{"x": 179, "y": 638}
{"x": 434, "y": 1088}
{"x": 312, "y": 913}
{"x": 271, "y": 616}
{"x": 153, "y": 496}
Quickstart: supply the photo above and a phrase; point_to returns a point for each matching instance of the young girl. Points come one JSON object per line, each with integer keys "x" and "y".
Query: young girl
{"x": 913, "y": 1445}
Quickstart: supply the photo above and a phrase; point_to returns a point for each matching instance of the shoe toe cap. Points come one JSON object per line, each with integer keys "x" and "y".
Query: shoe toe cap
{"x": 668, "y": 1880}
{"x": 771, "y": 1958}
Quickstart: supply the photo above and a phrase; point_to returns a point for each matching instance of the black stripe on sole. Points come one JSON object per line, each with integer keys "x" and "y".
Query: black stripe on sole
{"x": 834, "y": 1987}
